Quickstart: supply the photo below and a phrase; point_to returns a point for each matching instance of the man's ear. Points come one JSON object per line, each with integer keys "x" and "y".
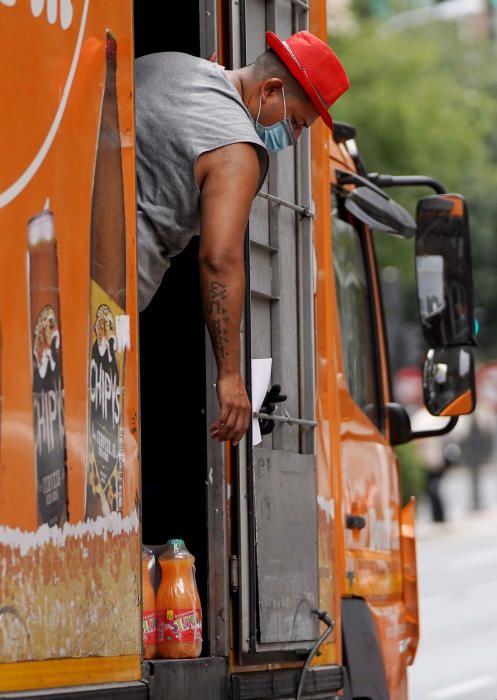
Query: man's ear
{"x": 269, "y": 87}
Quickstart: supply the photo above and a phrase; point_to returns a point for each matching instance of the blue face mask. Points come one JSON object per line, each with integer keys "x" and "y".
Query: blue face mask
{"x": 278, "y": 136}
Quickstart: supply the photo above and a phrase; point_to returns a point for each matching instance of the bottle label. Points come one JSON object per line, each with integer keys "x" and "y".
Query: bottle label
{"x": 106, "y": 404}
{"x": 48, "y": 410}
{"x": 179, "y": 625}
{"x": 149, "y": 627}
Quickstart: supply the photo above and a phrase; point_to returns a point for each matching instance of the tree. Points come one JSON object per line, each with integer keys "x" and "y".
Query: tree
{"x": 425, "y": 102}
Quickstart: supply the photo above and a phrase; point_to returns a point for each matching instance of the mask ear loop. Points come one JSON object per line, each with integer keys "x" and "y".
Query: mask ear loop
{"x": 259, "y": 112}
{"x": 284, "y": 101}
{"x": 287, "y": 121}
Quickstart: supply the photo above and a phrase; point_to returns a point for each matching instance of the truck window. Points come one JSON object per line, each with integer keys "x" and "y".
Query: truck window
{"x": 356, "y": 316}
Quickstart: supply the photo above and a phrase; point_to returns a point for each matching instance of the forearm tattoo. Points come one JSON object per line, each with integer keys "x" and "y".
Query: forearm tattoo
{"x": 219, "y": 318}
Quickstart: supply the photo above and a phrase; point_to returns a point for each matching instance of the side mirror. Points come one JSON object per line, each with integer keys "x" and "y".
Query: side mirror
{"x": 378, "y": 211}
{"x": 443, "y": 271}
{"x": 449, "y": 381}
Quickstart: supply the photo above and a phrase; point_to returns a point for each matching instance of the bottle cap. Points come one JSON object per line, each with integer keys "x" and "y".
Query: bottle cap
{"x": 175, "y": 549}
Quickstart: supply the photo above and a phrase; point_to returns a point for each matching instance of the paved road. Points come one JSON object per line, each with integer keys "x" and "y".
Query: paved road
{"x": 457, "y": 564}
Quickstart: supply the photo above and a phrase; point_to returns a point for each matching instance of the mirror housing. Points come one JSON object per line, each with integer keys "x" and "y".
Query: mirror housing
{"x": 374, "y": 208}
{"x": 449, "y": 381}
{"x": 443, "y": 271}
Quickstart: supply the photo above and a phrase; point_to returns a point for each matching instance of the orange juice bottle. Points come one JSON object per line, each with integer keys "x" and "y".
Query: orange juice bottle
{"x": 148, "y": 597}
{"x": 179, "y": 617}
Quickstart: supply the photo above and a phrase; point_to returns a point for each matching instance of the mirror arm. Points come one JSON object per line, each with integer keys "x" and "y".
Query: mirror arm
{"x": 420, "y": 434}
{"x": 406, "y": 181}
{"x": 400, "y": 426}
{"x": 344, "y": 177}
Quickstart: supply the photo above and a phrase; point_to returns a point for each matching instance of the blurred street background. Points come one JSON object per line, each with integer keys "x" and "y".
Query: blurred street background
{"x": 457, "y": 557}
{"x": 457, "y": 567}
{"x": 424, "y": 101}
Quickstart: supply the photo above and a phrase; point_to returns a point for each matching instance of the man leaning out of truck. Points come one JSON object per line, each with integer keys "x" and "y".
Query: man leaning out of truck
{"x": 203, "y": 135}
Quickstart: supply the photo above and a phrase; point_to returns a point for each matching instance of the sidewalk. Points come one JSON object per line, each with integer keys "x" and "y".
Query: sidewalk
{"x": 470, "y": 523}
{"x": 456, "y": 493}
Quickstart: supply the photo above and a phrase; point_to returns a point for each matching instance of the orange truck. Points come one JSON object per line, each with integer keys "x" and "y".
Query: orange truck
{"x": 305, "y": 559}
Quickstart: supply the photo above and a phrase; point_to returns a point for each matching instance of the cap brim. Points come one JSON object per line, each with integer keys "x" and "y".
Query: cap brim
{"x": 284, "y": 54}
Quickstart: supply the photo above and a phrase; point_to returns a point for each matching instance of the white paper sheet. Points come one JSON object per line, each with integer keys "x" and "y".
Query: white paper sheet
{"x": 261, "y": 376}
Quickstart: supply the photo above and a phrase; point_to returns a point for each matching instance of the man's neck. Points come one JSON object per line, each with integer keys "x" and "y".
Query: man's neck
{"x": 242, "y": 80}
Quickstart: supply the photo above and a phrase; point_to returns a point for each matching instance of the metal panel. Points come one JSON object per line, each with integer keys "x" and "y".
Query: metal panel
{"x": 284, "y": 17}
{"x": 277, "y": 493}
{"x": 260, "y": 316}
{"x": 218, "y": 577}
{"x": 261, "y": 272}
{"x": 286, "y": 546}
{"x": 259, "y": 219}
{"x": 207, "y": 26}
{"x": 184, "y": 679}
{"x": 305, "y": 244}
{"x": 255, "y": 23}
{"x": 267, "y": 685}
{"x": 284, "y": 320}
{"x": 261, "y": 283}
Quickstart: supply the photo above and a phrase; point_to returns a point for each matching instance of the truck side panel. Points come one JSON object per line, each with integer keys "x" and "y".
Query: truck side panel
{"x": 70, "y": 585}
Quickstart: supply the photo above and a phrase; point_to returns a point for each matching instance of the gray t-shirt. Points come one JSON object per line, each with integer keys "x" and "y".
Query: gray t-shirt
{"x": 184, "y": 106}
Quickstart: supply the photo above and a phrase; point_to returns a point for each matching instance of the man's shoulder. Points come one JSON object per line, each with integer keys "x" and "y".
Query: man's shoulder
{"x": 170, "y": 60}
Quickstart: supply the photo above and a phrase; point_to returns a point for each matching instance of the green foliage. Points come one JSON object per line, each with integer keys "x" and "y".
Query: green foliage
{"x": 425, "y": 102}
{"x": 412, "y": 473}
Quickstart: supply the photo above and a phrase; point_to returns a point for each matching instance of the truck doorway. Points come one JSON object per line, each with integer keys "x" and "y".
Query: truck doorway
{"x": 172, "y": 361}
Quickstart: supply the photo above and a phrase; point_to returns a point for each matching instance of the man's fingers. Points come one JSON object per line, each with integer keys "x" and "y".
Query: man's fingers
{"x": 234, "y": 427}
{"x": 226, "y": 420}
{"x": 221, "y": 420}
{"x": 226, "y": 430}
{"x": 235, "y": 412}
{"x": 242, "y": 424}
{"x": 241, "y": 427}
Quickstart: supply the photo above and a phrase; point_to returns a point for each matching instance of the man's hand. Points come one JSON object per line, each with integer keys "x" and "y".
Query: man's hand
{"x": 235, "y": 413}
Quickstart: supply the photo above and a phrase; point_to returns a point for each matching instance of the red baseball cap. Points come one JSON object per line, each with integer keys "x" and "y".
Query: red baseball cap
{"x": 315, "y": 67}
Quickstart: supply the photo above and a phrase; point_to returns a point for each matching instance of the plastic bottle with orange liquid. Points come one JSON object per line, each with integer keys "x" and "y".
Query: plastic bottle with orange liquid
{"x": 179, "y": 616}
{"x": 149, "y": 612}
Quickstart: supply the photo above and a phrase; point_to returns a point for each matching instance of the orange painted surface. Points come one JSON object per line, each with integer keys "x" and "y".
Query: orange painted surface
{"x": 457, "y": 204}
{"x": 49, "y": 125}
{"x": 57, "y": 673}
{"x": 408, "y": 548}
{"x": 460, "y": 406}
{"x": 40, "y": 57}
{"x": 367, "y": 469}
{"x": 330, "y": 533}
{"x": 222, "y": 34}
{"x": 357, "y": 470}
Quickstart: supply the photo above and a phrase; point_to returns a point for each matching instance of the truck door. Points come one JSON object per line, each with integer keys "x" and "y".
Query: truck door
{"x": 370, "y": 484}
{"x": 276, "y": 479}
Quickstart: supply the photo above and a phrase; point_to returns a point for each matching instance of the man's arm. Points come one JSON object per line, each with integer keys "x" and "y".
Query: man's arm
{"x": 228, "y": 179}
